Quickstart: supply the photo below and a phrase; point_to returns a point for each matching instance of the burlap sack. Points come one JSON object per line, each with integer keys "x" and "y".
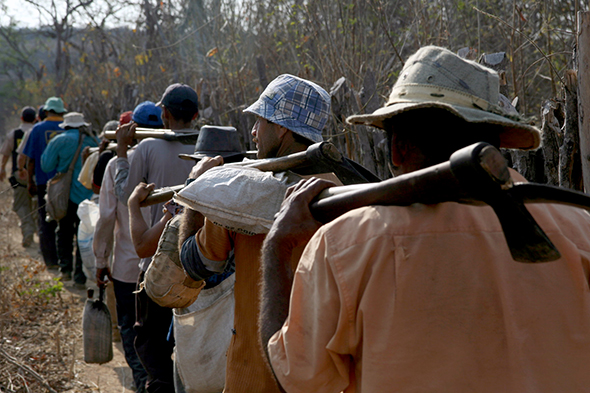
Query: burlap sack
{"x": 165, "y": 281}
{"x": 243, "y": 200}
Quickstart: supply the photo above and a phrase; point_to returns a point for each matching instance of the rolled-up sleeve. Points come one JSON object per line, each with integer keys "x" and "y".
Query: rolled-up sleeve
{"x": 130, "y": 172}
{"x": 6, "y": 149}
{"x": 121, "y": 178}
{"x": 208, "y": 252}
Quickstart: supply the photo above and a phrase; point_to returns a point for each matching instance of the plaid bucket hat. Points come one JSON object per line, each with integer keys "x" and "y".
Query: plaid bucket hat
{"x": 435, "y": 77}
{"x": 296, "y": 104}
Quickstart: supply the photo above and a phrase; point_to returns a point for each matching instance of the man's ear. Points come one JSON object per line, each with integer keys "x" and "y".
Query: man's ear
{"x": 195, "y": 115}
{"x": 281, "y": 131}
{"x": 165, "y": 113}
{"x": 398, "y": 150}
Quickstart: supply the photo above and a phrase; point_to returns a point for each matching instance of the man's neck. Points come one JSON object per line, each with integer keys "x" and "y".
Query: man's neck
{"x": 178, "y": 125}
{"x": 290, "y": 149}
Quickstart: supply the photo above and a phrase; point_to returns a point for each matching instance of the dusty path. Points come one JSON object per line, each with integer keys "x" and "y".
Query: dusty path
{"x": 41, "y": 324}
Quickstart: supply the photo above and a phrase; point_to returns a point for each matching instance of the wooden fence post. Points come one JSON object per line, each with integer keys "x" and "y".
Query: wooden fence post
{"x": 570, "y": 171}
{"x": 551, "y": 133}
{"x": 583, "y": 48}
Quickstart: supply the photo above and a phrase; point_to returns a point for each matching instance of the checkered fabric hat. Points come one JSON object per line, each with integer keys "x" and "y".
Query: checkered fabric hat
{"x": 296, "y": 104}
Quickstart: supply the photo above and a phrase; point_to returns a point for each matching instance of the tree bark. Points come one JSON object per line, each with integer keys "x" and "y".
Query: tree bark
{"x": 551, "y": 134}
{"x": 570, "y": 166}
{"x": 583, "y": 48}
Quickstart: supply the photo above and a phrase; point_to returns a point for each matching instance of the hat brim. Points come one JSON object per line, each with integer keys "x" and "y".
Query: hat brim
{"x": 515, "y": 135}
{"x": 198, "y": 156}
{"x": 64, "y": 125}
{"x": 263, "y": 109}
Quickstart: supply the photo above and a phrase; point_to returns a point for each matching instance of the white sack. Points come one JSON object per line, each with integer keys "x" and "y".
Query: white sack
{"x": 88, "y": 212}
{"x": 240, "y": 199}
{"x": 203, "y": 332}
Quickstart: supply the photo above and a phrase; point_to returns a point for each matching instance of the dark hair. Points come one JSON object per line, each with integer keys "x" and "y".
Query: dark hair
{"x": 438, "y": 133}
{"x": 42, "y": 112}
{"x": 182, "y": 114}
{"x": 301, "y": 139}
{"x": 28, "y": 114}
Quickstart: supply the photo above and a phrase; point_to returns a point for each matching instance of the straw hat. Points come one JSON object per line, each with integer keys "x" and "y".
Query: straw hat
{"x": 435, "y": 77}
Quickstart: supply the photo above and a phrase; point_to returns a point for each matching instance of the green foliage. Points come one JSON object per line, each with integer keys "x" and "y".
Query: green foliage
{"x": 44, "y": 290}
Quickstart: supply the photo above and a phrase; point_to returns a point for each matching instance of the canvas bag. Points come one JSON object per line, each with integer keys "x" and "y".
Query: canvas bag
{"x": 165, "y": 281}
{"x": 203, "y": 333}
{"x": 58, "y": 189}
{"x": 240, "y": 199}
{"x": 97, "y": 332}
{"x": 87, "y": 171}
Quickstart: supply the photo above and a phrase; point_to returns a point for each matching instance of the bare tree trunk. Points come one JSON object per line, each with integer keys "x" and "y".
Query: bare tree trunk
{"x": 551, "y": 130}
{"x": 570, "y": 167}
{"x": 583, "y": 48}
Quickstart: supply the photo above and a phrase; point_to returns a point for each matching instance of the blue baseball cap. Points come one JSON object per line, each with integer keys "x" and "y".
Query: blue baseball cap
{"x": 148, "y": 114}
{"x": 296, "y": 104}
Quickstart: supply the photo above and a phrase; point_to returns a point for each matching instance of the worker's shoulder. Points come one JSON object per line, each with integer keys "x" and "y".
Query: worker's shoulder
{"x": 571, "y": 222}
{"x": 362, "y": 224}
{"x": 164, "y": 147}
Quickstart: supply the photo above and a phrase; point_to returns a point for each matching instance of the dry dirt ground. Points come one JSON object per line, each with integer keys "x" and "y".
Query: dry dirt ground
{"x": 41, "y": 347}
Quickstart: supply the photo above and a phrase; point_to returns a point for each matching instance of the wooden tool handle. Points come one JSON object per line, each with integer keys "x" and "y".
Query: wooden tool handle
{"x": 161, "y": 195}
{"x": 431, "y": 185}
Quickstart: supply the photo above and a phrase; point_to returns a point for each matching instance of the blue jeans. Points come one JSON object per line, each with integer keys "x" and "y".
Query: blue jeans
{"x": 126, "y": 319}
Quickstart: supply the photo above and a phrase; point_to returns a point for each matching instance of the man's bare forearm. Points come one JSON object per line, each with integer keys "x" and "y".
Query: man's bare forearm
{"x": 31, "y": 170}
{"x": 190, "y": 224}
{"x": 277, "y": 279}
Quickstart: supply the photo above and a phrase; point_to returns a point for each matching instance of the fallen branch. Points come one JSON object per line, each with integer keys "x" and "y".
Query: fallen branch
{"x": 26, "y": 368}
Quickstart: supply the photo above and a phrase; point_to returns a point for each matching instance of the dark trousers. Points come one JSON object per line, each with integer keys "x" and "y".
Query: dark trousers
{"x": 46, "y": 230}
{"x": 152, "y": 344}
{"x": 66, "y": 235}
{"x": 126, "y": 319}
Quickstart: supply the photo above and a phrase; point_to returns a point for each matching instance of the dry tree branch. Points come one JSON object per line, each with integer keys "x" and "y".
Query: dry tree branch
{"x": 381, "y": 18}
{"x": 26, "y": 368}
{"x": 529, "y": 40}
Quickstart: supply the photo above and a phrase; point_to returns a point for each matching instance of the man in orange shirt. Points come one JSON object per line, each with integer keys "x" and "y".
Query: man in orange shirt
{"x": 291, "y": 113}
{"x": 427, "y": 298}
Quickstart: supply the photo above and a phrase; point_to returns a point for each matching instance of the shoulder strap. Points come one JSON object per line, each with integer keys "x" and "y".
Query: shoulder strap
{"x": 18, "y": 134}
{"x": 73, "y": 163}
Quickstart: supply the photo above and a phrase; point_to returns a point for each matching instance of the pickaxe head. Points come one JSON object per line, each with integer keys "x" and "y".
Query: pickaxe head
{"x": 483, "y": 173}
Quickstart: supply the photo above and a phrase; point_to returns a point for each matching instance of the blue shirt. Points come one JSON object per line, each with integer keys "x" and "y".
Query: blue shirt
{"x": 59, "y": 154}
{"x": 39, "y": 137}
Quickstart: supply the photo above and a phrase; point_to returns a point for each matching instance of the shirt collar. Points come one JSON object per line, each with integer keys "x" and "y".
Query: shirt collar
{"x": 25, "y": 127}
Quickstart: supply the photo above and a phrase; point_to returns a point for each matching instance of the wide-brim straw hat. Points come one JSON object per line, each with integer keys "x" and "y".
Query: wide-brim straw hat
{"x": 74, "y": 120}
{"x": 435, "y": 77}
